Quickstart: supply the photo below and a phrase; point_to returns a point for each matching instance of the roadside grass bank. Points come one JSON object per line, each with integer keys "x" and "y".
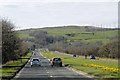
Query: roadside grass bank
{"x": 96, "y": 68}
{"x": 11, "y": 68}
{"x": 88, "y": 57}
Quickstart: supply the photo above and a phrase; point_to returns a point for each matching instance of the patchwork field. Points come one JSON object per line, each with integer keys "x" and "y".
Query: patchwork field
{"x": 79, "y": 34}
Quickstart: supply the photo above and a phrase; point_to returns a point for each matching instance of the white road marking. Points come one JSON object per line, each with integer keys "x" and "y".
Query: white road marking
{"x": 79, "y": 72}
{"x": 44, "y": 57}
{"x": 71, "y": 69}
{"x": 51, "y": 76}
{"x": 47, "y": 72}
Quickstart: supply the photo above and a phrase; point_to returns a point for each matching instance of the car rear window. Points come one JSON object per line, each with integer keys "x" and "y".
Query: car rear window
{"x": 57, "y": 59}
{"x": 35, "y": 59}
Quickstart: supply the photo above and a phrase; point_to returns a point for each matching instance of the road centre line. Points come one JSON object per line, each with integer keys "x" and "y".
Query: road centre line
{"x": 48, "y": 72}
{"x": 51, "y": 76}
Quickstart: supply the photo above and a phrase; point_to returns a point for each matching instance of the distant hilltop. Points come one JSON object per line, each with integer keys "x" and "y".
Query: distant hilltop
{"x": 88, "y": 28}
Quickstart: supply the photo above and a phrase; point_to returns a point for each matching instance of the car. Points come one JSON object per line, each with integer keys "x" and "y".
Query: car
{"x": 35, "y": 62}
{"x": 56, "y": 61}
{"x": 92, "y": 57}
{"x": 74, "y": 55}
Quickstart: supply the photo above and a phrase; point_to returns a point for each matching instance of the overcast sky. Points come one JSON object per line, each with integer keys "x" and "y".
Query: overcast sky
{"x": 47, "y": 13}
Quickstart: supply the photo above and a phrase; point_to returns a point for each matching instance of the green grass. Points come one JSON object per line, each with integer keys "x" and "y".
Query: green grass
{"x": 77, "y": 62}
{"x": 63, "y": 31}
{"x": 98, "y": 35}
{"x": 18, "y": 62}
{"x": 24, "y": 35}
{"x": 6, "y": 72}
{"x": 103, "y": 36}
{"x": 27, "y": 56}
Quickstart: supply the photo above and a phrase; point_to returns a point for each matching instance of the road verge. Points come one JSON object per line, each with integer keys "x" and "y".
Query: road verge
{"x": 10, "y": 69}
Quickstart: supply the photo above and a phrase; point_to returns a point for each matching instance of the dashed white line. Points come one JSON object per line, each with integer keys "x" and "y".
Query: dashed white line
{"x": 51, "y": 76}
{"x": 48, "y": 72}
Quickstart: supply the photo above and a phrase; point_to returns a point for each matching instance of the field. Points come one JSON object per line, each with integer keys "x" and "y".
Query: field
{"x": 96, "y": 68}
{"x": 103, "y": 36}
{"x": 23, "y": 34}
{"x": 79, "y": 36}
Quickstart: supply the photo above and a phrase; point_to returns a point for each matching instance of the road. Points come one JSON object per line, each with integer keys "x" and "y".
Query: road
{"x": 46, "y": 72}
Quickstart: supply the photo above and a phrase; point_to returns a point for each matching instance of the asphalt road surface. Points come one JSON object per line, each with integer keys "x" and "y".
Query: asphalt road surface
{"x": 46, "y": 72}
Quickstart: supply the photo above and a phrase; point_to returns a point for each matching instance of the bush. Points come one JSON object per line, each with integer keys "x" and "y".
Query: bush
{"x": 110, "y": 50}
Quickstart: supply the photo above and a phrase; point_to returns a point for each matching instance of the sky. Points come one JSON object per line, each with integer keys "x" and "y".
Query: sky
{"x": 27, "y": 14}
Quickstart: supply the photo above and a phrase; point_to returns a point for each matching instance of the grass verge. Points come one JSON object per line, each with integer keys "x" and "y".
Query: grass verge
{"x": 8, "y": 72}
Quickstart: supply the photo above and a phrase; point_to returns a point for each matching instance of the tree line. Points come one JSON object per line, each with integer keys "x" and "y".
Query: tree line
{"x": 12, "y": 47}
{"x": 109, "y": 50}
{"x": 59, "y": 43}
{"x": 43, "y": 39}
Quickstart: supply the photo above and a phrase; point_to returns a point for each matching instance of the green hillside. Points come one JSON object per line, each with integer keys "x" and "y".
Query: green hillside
{"x": 80, "y": 40}
{"x": 80, "y": 34}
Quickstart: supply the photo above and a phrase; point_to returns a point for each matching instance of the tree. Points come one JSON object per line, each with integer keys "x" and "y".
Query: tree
{"x": 110, "y": 49}
{"x": 10, "y": 42}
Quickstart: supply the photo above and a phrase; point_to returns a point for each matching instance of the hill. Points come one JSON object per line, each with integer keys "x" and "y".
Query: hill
{"x": 81, "y": 40}
{"x": 75, "y": 33}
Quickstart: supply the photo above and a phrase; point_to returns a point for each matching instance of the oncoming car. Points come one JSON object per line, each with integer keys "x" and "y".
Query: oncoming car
{"x": 56, "y": 61}
{"x": 35, "y": 62}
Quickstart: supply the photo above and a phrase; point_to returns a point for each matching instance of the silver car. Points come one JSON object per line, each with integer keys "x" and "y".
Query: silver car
{"x": 35, "y": 62}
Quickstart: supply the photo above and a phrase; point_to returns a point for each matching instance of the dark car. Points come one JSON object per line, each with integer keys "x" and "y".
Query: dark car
{"x": 74, "y": 55}
{"x": 56, "y": 61}
{"x": 92, "y": 57}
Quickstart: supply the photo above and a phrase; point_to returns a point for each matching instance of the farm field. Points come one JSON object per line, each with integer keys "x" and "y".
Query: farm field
{"x": 79, "y": 34}
{"x": 24, "y": 34}
{"x": 103, "y": 36}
